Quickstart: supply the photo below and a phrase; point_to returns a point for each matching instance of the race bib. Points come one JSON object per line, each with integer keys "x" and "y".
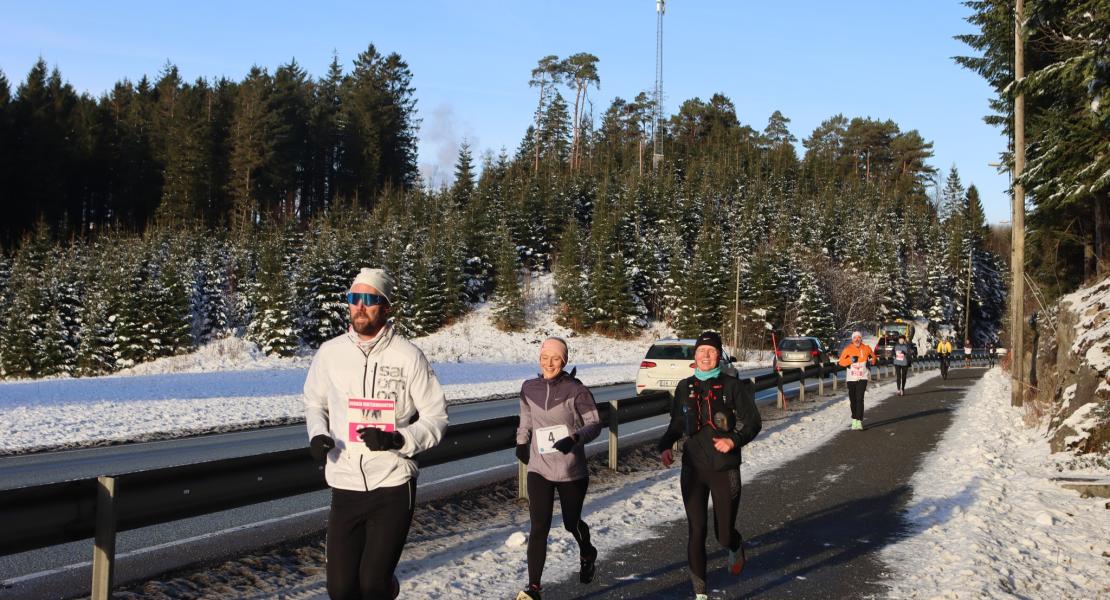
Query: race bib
{"x": 369, "y": 412}
{"x": 900, "y": 355}
{"x": 547, "y": 436}
{"x": 858, "y": 371}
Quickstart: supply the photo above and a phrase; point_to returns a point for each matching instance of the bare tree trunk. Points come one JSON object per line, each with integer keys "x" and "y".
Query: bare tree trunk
{"x": 577, "y": 123}
{"x": 1102, "y": 253}
{"x": 536, "y": 133}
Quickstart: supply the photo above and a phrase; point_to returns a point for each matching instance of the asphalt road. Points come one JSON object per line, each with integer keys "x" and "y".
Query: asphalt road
{"x": 813, "y": 527}
{"x": 64, "y": 570}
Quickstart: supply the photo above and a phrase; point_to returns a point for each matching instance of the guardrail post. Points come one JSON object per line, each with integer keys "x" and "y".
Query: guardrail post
{"x": 835, "y": 379}
{"x": 820, "y": 379}
{"x": 521, "y": 481}
{"x": 104, "y": 548}
{"x": 802, "y": 386}
{"x": 614, "y": 423}
{"x": 780, "y": 402}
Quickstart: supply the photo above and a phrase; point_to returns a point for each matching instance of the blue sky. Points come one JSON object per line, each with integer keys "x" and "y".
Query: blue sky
{"x": 471, "y": 60}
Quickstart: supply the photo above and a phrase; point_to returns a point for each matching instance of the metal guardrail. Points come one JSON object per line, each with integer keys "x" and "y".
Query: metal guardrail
{"x": 45, "y": 515}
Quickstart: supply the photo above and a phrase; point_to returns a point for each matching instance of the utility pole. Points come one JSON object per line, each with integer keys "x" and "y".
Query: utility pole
{"x": 1017, "y": 240}
{"x": 967, "y": 299}
{"x": 657, "y": 117}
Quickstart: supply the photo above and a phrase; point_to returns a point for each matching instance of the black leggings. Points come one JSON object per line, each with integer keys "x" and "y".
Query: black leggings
{"x": 541, "y": 502}
{"x": 900, "y": 372}
{"x": 697, "y": 486}
{"x": 855, "y": 397}
{"x": 366, "y": 533}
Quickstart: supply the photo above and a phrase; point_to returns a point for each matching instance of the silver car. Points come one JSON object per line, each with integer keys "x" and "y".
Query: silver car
{"x": 799, "y": 353}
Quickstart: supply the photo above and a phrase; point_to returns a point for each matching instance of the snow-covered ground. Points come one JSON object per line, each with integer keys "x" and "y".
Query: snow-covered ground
{"x": 228, "y": 384}
{"x": 991, "y": 523}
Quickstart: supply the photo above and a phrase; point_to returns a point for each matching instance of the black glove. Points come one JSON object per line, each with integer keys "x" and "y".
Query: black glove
{"x": 376, "y": 439}
{"x": 522, "y": 452}
{"x": 320, "y": 446}
{"x": 565, "y": 445}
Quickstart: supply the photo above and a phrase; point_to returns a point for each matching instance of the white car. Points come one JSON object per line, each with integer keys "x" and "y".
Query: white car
{"x": 669, "y": 361}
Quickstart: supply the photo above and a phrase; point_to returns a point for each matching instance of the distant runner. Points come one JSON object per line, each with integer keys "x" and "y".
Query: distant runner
{"x": 717, "y": 415}
{"x": 558, "y": 418}
{"x": 372, "y": 402}
{"x": 903, "y": 359}
{"x": 944, "y": 353}
{"x": 967, "y": 354}
{"x": 857, "y": 358}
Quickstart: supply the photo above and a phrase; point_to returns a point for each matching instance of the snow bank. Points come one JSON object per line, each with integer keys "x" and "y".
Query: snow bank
{"x": 988, "y": 521}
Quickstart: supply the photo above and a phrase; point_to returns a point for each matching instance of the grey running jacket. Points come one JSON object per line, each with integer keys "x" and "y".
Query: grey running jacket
{"x": 565, "y": 401}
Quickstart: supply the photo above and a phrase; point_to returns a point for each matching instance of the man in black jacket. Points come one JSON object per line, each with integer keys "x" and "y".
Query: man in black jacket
{"x": 717, "y": 415}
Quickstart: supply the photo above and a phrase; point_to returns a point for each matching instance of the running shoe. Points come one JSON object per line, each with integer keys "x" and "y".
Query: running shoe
{"x": 589, "y": 566}
{"x": 532, "y": 592}
{"x": 736, "y": 561}
{"x": 701, "y": 597}
{"x": 857, "y": 425}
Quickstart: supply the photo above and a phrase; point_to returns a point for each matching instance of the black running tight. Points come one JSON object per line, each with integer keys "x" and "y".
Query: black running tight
{"x": 541, "y": 503}
{"x": 900, "y": 372}
{"x": 856, "y": 390}
{"x": 366, "y": 532}
{"x": 697, "y": 486}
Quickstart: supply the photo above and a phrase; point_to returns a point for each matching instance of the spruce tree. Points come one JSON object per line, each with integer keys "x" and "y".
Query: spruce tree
{"x": 508, "y": 315}
{"x": 272, "y": 327}
{"x": 571, "y": 281}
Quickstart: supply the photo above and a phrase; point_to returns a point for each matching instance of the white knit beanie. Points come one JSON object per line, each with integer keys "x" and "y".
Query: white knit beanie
{"x": 377, "y": 279}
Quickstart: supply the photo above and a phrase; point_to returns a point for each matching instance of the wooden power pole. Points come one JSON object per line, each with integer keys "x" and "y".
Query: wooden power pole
{"x": 1017, "y": 253}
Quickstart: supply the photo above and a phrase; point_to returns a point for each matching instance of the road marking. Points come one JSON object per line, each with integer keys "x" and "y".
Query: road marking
{"x": 148, "y": 549}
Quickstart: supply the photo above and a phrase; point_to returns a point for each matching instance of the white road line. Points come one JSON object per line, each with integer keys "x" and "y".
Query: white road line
{"x": 157, "y": 547}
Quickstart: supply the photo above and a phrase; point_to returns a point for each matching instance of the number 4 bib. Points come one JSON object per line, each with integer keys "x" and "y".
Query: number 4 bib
{"x": 547, "y": 436}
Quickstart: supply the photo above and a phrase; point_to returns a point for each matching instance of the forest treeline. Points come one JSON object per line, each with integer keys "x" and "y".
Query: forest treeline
{"x": 170, "y": 213}
{"x": 1067, "y": 128}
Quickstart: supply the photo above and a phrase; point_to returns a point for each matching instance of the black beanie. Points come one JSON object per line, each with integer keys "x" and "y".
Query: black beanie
{"x": 709, "y": 338}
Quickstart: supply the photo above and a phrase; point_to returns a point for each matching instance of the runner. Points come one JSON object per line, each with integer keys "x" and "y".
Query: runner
{"x": 717, "y": 414}
{"x": 903, "y": 359}
{"x": 558, "y": 418}
{"x": 967, "y": 353}
{"x": 992, "y": 351}
{"x": 857, "y": 357}
{"x": 372, "y": 402}
{"x": 944, "y": 353}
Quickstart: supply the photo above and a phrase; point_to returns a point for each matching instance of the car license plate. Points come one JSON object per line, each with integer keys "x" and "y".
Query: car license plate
{"x": 667, "y": 383}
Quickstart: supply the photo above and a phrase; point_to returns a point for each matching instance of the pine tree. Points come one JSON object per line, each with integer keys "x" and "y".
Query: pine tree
{"x": 814, "y": 318}
{"x": 463, "y": 187}
{"x": 426, "y": 304}
{"x": 571, "y": 281}
{"x": 509, "y": 312}
{"x": 272, "y": 327}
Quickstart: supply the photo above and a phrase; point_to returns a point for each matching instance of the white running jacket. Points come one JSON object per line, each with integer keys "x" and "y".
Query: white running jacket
{"x": 393, "y": 370}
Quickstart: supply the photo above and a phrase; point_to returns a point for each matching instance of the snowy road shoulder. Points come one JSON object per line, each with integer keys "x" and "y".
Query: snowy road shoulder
{"x": 989, "y": 522}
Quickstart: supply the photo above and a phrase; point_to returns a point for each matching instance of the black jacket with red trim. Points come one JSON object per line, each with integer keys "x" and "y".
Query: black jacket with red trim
{"x": 692, "y": 410}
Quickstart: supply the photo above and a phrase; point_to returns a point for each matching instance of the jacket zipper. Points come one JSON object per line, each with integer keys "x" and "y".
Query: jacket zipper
{"x": 365, "y": 366}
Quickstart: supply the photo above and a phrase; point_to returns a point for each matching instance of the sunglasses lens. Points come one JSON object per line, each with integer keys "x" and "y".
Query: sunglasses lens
{"x": 354, "y": 298}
